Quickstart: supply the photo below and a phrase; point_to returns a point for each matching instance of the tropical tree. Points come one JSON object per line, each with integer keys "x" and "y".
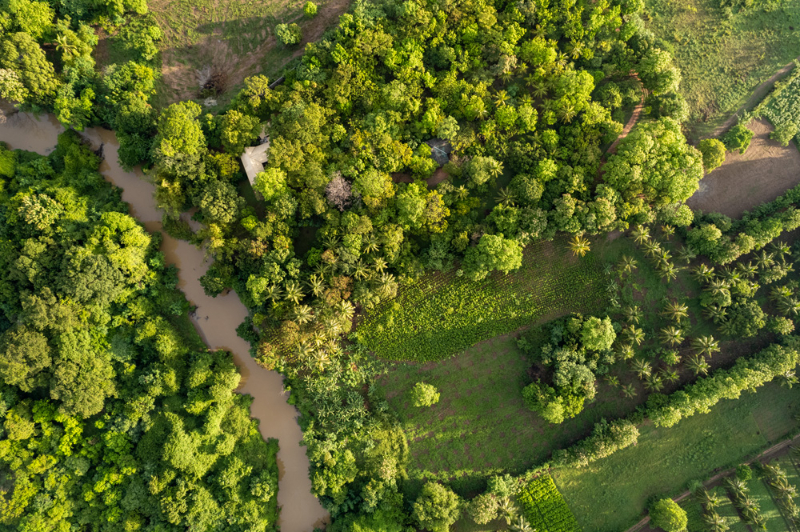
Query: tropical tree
{"x": 634, "y": 334}
{"x": 641, "y": 367}
{"x": 629, "y": 391}
{"x": 579, "y": 245}
{"x": 698, "y": 365}
{"x": 676, "y": 311}
{"x": 672, "y": 336}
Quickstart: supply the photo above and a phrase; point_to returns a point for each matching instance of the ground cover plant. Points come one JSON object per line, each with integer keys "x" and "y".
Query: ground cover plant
{"x": 545, "y": 508}
{"x": 733, "y": 429}
{"x": 781, "y": 107}
{"x": 724, "y": 50}
{"x": 114, "y": 415}
{"x": 441, "y": 315}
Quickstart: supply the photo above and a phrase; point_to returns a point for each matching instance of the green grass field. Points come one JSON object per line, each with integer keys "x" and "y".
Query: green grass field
{"x": 724, "y": 55}
{"x": 611, "y": 494}
{"x": 441, "y": 315}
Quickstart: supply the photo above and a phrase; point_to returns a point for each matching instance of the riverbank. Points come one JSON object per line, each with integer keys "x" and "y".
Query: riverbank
{"x": 215, "y": 319}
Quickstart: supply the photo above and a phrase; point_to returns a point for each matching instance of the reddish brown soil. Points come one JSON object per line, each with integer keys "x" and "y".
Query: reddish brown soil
{"x": 763, "y": 173}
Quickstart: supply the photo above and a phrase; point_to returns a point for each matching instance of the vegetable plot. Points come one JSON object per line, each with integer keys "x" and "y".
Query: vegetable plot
{"x": 545, "y": 508}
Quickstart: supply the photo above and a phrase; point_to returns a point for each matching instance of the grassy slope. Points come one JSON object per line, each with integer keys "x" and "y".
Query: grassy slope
{"x": 443, "y": 314}
{"x": 610, "y": 495}
{"x": 723, "y": 59}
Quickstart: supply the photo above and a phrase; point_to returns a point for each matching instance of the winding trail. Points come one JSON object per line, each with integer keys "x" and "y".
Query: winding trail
{"x": 215, "y": 319}
{"x": 637, "y": 113}
{"x": 773, "y": 452}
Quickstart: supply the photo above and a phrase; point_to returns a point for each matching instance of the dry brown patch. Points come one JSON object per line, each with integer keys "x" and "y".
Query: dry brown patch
{"x": 763, "y": 173}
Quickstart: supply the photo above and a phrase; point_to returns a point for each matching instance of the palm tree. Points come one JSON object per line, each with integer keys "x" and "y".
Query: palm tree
{"x": 629, "y": 391}
{"x": 521, "y": 525}
{"x": 668, "y": 272}
{"x": 505, "y": 196}
{"x": 764, "y": 260}
{"x": 676, "y": 311}
{"x": 273, "y": 293}
{"x": 703, "y": 273}
{"x": 303, "y": 314}
{"x": 730, "y": 275}
{"x": 654, "y": 383}
{"x": 780, "y": 248}
{"x": 651, "y": 248}
{"x": 579, "y": 245}
{"x": 717, "y": 287}
{"x": 316, "y": 284}
{"x": 625, "y": 352}
{"x": 568, "y": 113}
{"x": 379, "y": 264}
{"x": 705, "y": 345}
{"x": 575, "y": 49}
{"x": 371, "y": 244}
{"x": 789, "y": 379}
{"x": 501, "y": 98}
{"x": 495, "y": 168}
{"x": 789, "y": 306}
{"x": 667, "y": 230}
{"x": 612, "y": 380}
{"x": 632, "y": 313}
{"x": 686, "y": 254}
{"x": 715, "y": 522}
{"x": 345, "y": 309}
{"x": 747, "y": 270}
{"x": 360, "y": 270}
{"x": 641, "y": 368}
{"x": 698, "y": 365}
{"x": 539, "y": 89}
{"x": 634, "y": 334}
{"x": 293, "y": 292}
{"x": 716, "y": 313}
{"x": 641, "y": 234}
{"x": 628, "y": 264}
{"x": 670, "y": 375}
{"x": 526, "y": 99}
{"x": 672, "y": 336}
{"x": 507, "y": 509}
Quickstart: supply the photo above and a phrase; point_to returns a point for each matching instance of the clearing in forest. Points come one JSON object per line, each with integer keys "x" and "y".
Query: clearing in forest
{"x": 610, "y": 494}
{"x": 233, "y": 39}
{"x": 764, "y": 172}
{"x": 442, "y": 314}
{"x": 724, "y": 53}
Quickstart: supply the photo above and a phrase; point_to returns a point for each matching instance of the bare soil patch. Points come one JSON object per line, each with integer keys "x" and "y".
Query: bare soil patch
{"x": 763, "y": 173}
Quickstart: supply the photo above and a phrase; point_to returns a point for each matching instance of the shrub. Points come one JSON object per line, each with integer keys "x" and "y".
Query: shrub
{"x": 668, "y": 515}
{"x": 784, "y": 133}
{"x": 424, "y": 394}
{"x": 310, "y": 9}
{"x": 288, "y": 34}
{"x": 743, "y": 472}
{"x": 713, "y": 151}
{"x": 483, "y": 508}
{"x": 738, "y": 138}
{"x": 436, "y": 508}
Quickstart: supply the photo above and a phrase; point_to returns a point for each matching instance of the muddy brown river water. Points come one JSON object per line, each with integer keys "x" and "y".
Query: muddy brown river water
{"x": 216, "y": 318}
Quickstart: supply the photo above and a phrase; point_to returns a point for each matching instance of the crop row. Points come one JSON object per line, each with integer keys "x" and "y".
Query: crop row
{"x": 545, "y": 508}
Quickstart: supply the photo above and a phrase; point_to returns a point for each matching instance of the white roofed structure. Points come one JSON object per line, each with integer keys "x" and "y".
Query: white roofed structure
{"x": 253, "y": 159}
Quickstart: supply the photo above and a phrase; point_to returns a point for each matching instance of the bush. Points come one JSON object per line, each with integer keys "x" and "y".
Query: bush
{"x": 784, "y": 133}
{"x": 738, "y": 138}
{"x": 310, "y": 9}
{"x": 424, "y": 394}
{"x": 288, "y": 34}
{"x": 668, "y": 515}
{"x": 436, "y": 508}
{"x": 743, "y": 472}
{"x": 713, "y": 151}
{"x": 483, "y": 508}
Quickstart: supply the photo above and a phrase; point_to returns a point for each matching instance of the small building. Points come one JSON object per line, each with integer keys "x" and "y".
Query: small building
{"x": 440, "y": 150}
{"x": 255, "y": 157}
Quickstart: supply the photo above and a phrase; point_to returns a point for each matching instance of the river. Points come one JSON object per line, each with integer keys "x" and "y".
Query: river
{"x": 216, "y": 318}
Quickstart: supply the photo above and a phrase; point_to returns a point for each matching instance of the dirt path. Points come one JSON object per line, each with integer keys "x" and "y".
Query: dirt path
{"x": 773, "y": 452}
{"x": 637, "y": 112}
{"x": 752, "y": 101}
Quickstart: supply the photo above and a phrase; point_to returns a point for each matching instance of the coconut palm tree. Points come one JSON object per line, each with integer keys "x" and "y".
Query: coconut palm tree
{"x": 703, "y": 273}
{"x": 641, "y": 367}
{"x": 747, "y": 270}
{"x": 717, "y": 287}
{"x": 698, "y": 365}
{"x": 705, "y": 345}
{"x": 629, "y": 391}
{"x": 667, "y": 230}
{"x": 505, "y": 197}
{"x": 672, "y": 336}
{"x": 641, "y": 234}
{"x": 539, "y": 89}
{"x": 612, "y": 380}
{"x": 780, "y": 248}
{"x": 568, "y": 113}
{"x": 789, "y": 306}
{"x": 501, "y": 99}
{"x": 371, "y": 244}
{"x": 316, "y": 284}
{"x": 670, "y": 375}
{"x": 379, "y": 264}
{"x": 686, "y": 254}
{"x": 293, "y": 292}
{"x": 303, "y": 314}
{"x": 579, "y": 245}
{"x": 651, "y": 248}
{"x": 345, "y": 309}
{"x": 654, "y": 383}
{"x": 715, "y": 522}
{"x": 764, "y": 260}
{"x": 521, "y": 525}
{"x": 628, "y": 264}
{"x": 273, "y": 293}
{"x": 668, "y": 272}
{"x": 634, "y": 334}
{"x": 676, "y": 311}
{"x": 632, "y": 313}
{"x": 716, "y": 313}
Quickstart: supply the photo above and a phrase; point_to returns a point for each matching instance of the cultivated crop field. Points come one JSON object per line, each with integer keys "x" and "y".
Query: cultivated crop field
{"x": 610, "y": 494}
{"x": 724, "y": 54}
{"x": 443, "y": 314}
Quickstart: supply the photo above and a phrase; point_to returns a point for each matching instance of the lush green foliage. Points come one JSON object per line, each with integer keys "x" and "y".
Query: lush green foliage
{"x": 667, "y": 515}
{"x": 713, "y": 151}
{"x": 738, "y": 138}
{"x": 114, "y": 414}
{"x": 423, "y": 394}
{"x": 781, "y": 107}
{"x": 545, "y": 508}
{"x": 436, "y": 508}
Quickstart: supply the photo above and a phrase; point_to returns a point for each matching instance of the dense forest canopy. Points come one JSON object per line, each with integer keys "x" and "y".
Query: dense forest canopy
{"x": 114, "y": 414}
